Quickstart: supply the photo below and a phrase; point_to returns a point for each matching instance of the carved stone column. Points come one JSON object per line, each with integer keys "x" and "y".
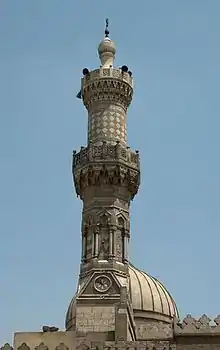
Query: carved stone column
{"x": 84, "y": 242}
{"x": 125, "y": 245}
{"x": 112, "y": 229}
{"x": 96, "y": 240}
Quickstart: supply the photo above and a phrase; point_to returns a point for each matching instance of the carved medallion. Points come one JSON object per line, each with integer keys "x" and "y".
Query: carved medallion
{"x": 102, "y": 283}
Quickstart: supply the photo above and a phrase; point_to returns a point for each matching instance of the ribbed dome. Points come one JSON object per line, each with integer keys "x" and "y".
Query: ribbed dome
{"x": 150, "y": 299}
{"x": 149, "y": 295}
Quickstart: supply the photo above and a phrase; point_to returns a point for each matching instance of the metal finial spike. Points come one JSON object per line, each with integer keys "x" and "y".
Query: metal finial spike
{"x": 106, "y": 28}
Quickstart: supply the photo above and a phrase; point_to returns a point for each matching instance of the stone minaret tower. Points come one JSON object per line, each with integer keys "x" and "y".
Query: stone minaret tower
{"x": 106, "y": 176}
{"x": 116, "y": 305}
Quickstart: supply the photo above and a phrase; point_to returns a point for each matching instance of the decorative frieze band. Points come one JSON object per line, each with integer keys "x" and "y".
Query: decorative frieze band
{"x": 106, "y": 152}
{"x": 107, "y": 84}
{"x": 106, "y": 73}
{"x": 128, "y": 345}
{"x": 107, "y": 175}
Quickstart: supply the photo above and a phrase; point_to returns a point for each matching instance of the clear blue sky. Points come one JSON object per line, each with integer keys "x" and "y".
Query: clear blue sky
{"x": 172, "y": 47}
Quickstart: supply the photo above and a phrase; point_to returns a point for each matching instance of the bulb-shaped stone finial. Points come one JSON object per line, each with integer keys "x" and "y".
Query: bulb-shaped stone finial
{"x": 107, "y": 52}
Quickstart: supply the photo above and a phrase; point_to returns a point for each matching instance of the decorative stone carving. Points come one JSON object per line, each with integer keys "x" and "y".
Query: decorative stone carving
{"x": 104, "y": 247}
{"x": 23, "y": 346}
{"x": 100, "y": 175}
{"x": 107, "y": 124}
{"x": 61, "y": 346}
{"x": 106, "y": 72}
{"x": 106, "y": 164}
{"x": 107, "y": 234}
{"x": 152, "y": 330}
{"x": 41, "y": 346}
{"x": 204, "y": 322}
{"x": 105, "y": 152}
{"x": 118, "y": 245}
{"x": 203, "y": 325}
{"x": 139, "y": 345}
{"x": 115, "y": 87}
{"x": 7, "y": 346}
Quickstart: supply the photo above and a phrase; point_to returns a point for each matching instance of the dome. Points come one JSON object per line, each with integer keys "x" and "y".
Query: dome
{"x": 150, "y": 299}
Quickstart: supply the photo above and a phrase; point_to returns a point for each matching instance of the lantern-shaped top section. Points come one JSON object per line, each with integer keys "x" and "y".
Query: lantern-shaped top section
{"x": 106, "y": 51}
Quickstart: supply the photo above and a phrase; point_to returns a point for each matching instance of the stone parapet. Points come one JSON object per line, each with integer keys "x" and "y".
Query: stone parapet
{"x": 44, "y": 341}
{"x": 101, "y": 73}
{"x": 190, "y": 326}
{"x": 128, "y": 345}
{"x": 106, "y": 164}
{"x": 105, "y": 152}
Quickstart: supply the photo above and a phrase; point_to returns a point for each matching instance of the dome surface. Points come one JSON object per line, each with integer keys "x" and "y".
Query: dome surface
{"x": 149, "y": 295}
{"x": 150, "y": 299}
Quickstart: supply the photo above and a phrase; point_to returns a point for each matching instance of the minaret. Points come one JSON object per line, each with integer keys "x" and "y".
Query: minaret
{"x": 106, "y": 176}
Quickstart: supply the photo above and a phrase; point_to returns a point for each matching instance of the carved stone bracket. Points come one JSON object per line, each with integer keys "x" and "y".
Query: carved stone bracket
{"x": 107, "y": 175}
{"x": 191, "y": 325}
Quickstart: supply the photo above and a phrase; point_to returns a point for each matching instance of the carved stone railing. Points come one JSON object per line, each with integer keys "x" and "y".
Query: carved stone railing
{"x": 106, "y": 152}
{"x": 192, "y": 326}
{"x": 106, "y": 73}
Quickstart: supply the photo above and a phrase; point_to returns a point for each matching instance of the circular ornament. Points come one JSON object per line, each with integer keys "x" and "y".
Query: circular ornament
{"x": 102, "y": 283}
